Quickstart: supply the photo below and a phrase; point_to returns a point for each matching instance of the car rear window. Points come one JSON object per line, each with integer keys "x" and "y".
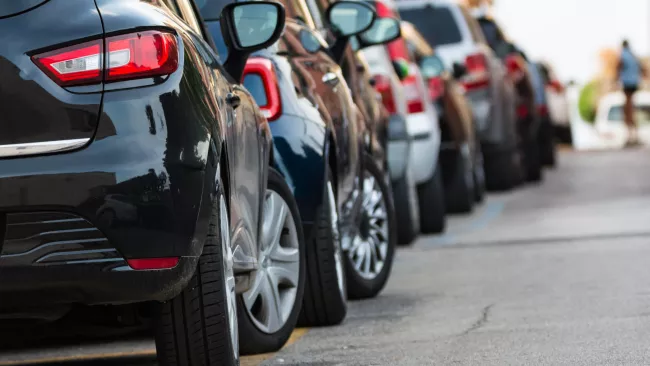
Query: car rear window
{"x": 641, "y": 114}
{"x": 437, "y": 24}
{"x": 491, "y": 32}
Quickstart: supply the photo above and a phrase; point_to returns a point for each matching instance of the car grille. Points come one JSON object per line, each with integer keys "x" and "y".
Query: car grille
{"x": 55, "y": 238}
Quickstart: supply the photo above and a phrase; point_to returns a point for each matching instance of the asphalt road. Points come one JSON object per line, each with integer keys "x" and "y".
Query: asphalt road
{"x": 556, "y": 274}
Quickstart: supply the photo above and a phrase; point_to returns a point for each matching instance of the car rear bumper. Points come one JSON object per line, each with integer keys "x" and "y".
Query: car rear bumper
{"x": 70, "y": 222}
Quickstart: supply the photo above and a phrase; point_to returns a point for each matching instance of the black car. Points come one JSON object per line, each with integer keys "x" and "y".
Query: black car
{"x": 134, "y": 169}
{"x": 321, "y": 147}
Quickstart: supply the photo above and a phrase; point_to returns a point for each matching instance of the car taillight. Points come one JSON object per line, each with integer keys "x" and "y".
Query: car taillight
{"x": 152, "y": 263}
{"x": 542, "y": 110}
{"x": 522, "y": 111}
{"x": 556, "y": 86}
{"x": 414, "y": 97}
{"x": 384, "y": 88}
{"x": 262, "y": 67}
{"x": 143, "y": 54}
{"x": 478, "y": 74}
{"x": 129, "y": 56}
{"x": 515, "y": 67}
{"x": 436, "y": 88}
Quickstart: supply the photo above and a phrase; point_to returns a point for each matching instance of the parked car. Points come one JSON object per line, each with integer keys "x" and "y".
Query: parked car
{"x": 460, "y": 150}
{"x": 457, "y": 38}
{"x": 400, "y": 143}
{"x": 321, "y": 147}
{"x": 421, "y": 122}
{"x": 610, "y": 120}
{"x": 558, "y": 104}
{"x": 519, "y": 71}
{"x": 161, "y": 121}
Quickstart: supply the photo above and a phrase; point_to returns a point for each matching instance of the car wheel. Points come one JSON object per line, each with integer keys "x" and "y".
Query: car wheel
{"x": 503, "y": 170}
{"x": 269, "y": 310}
{"x": 533, "y": 158}
{"x": 199, "y": 326}
{"x": 479, "y": 177}
{"x": 406, "y": 209}
{"x": 325, "y": 299}
{"x": 370, "y": 256}
{"x": 460, "y": 191}
{"x": 432, "y": 204}
{"x": 547, "y": 143}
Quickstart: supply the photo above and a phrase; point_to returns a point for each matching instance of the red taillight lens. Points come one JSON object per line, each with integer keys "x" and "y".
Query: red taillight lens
{"x": 414, "y": 97}
{"x": 129, "y": 56}
{"x": 152, "y": 263}
{"x": 139, "y": 55}
{"x": 515, "y": 67}
{"x": 384, "y": 88}
{"x": 436, "y": 88}
{"x": 556, "y": 86}
{"x": 478, "y": 74}
{"x": 542, "y": 110}
{"x": 262, "y": 67}
{"x": 75, "y": 65}
{"x": 522, "y": 111}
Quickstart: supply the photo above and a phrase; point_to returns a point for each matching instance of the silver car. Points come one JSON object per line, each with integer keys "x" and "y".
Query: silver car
{"x": 460, "y": 43}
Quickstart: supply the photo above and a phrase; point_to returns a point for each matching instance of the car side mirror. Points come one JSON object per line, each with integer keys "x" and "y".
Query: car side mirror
{"x": 431, "y": 66}
{"x": 401, "y": 68}
{"x": 382, "y": 31}
{"x": 248, "y": 27}
{"x": 459, "y": 70}
{"x": 347, "y": 19}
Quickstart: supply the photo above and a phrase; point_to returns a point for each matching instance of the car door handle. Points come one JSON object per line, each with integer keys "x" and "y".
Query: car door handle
{"x": 233, "y": 99}
{"x": 331, "y": 79}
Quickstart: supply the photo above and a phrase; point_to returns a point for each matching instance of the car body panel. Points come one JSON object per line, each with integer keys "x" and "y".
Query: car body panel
{"x": 161, "y": 145}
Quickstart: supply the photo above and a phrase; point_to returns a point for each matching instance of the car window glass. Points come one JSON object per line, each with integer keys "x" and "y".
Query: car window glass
{"x": 437, "y": 24}
{"x": 474, "y": 28}
{"x": 491, "y": 32}
{"x": 211, "y": 9}
{"x": 255, "y": 85}
{"x": 311, "y": 41}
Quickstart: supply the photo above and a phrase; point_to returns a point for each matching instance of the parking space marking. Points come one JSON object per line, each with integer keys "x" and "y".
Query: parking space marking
{"x": 258, "y": 359}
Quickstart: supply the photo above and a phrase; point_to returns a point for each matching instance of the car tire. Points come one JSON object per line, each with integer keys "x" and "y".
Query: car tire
{"x": 503, "y": 171}
{"x": 459, "y": 190}
{"x": 534, "y": 169}
{"x": 432, "y": 204}
{"x": 479, "y": 176}
{"x": 325, "y": 299}
{"x": 373, "y": 248}
{"x": 406, "y": 209}
{"x": 547, "y": 144}
{"x": 269, "y": 310}
{"x": 199, "y": 326}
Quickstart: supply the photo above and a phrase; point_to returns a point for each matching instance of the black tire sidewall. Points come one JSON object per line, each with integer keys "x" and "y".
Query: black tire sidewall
{"x": 252, "y": 339}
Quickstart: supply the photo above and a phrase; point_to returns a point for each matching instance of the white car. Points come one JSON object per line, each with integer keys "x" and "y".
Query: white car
{"x": 410, "y": 99}
{"x": 610, "y": 122}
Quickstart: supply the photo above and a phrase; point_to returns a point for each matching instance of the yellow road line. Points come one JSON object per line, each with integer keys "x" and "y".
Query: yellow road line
{"x": 126, "y": 350}
{"x": 258, "y": 359}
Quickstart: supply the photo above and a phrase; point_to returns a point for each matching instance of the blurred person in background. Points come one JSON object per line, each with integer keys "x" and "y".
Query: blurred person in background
{"x": 630, "y": 72}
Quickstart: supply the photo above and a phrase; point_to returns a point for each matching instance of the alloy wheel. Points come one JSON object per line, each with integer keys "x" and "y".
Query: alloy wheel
{"x": 272, "y": 296}
{"x": 369, "y": 248}
{"x": 229, "y": 278}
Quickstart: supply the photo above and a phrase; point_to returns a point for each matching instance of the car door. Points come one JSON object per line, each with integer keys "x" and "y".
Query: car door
{"x": 334, "y": 99}
{"x": 244, "y": 148}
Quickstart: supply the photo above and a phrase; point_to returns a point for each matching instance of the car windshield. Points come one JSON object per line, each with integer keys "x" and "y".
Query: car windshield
{"x": 437, "y": 24}
{"x": 641, "y": 114}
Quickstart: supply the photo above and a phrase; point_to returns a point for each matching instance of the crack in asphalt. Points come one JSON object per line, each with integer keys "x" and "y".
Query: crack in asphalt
{"x": 485, "y": 313}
